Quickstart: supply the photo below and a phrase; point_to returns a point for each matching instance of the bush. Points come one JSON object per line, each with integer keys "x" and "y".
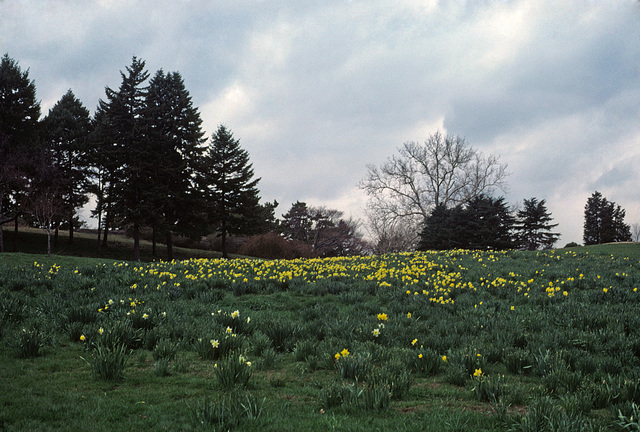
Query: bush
{"x": 274, "y": 246}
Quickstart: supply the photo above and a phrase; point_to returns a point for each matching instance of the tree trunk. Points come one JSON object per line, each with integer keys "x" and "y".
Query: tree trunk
{"x": 1, "y": 236}
{"x": 107, "y": 223}
{"x": 49, "y": 240}
{"x": 224, "y": 242}
{"x": 99, "y": 226}
{"x": 169, "y": 246}
{"x": 15, "y": 234}
{"x": 136, "y": 242}
{"x": 71, "y": 227}
{"x": 153, "y": 241}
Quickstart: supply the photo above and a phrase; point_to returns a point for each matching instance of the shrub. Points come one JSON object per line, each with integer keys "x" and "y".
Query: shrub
{"x": 274, "y": 246}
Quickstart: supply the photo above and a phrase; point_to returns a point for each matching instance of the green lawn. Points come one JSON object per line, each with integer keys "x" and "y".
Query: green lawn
{"x": 553, "y": 339}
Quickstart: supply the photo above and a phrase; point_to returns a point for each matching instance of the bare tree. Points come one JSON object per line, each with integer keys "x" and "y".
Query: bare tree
{"x": 388, "y": 234}
{"x": 47, "y": 208}
{"x": 444, "y": 170}
{"x": 635, "y": 231}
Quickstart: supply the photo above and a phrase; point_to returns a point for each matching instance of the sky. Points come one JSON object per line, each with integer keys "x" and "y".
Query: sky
{"x": 316, "y": 90}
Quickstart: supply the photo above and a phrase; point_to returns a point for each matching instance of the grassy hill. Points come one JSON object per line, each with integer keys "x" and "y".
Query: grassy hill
{"x": 85, "y": 244}
{"x": 455, "y": 340}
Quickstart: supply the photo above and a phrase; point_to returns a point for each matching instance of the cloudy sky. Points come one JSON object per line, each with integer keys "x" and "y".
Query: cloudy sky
{"x": 316, "y": 90}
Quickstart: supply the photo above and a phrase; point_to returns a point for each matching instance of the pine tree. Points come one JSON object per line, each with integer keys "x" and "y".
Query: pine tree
{"x": 533, "y": 226}
{"x": 176, "y": 144}
{"x": 604, "y": 221}
{"x": 19, "y": 115}
{"x": 66, "y": 132}
{"x": 230, "y": 190}
{"x": 490, "y": 223}
{"x": 297, "y": 224}
{"x": 123, "y": 150}
{"x": 483, "y": 223}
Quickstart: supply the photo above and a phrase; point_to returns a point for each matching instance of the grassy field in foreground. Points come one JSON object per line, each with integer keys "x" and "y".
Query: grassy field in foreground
{"x": 458, "y": 341}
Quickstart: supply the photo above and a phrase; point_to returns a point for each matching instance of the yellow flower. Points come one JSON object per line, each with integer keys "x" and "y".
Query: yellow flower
{"x": 605, "y": 290}
{"x": 444, "y": 358}
{"x": 235, "y": 314}
{"x": 513, "y": 308}
{"x": 82, "y": 337}
{"x": 337, "y": 356}
{"x": 345, "y": 352}
{"x": 408, "y": 314}
{"x": 229, "y": 330}
{"x": 477, "y": 373}
{"x": 100, "y": 330}
{"x": 214, "y": 343}
{"x": 382, "y": 317}
{"x": 419, "y": 355}
{"x": 415, "y": 341}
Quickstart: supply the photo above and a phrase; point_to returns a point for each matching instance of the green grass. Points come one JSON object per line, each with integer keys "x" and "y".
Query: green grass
{"x": 589, "y": 338}
{"x": 85, "y": 244}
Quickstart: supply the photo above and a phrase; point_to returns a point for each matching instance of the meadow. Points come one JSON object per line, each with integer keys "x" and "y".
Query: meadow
{"x": 433, "y": 341}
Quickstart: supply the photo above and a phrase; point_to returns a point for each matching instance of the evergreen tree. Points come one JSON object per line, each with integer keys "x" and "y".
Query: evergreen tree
{"x": 66, "y": 131}
{"x": 176, "y": 144}
{"x": 490, "y": 224}
{"x": 123, "y": 148}
{"x": 230, "y": 190}
{"x": 534, "y": 227}
{"x": 446, "y": 228}
{"x": 297, "y": 223}
{"x": 483, "y": 223}
{"x": 604, "y": 221}
{"x": 19, "y": 115}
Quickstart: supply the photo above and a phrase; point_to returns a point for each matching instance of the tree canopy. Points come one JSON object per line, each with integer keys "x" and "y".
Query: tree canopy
{"x": 604, "y": 221}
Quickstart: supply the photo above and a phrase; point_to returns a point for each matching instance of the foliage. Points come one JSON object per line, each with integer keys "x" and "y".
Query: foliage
{"x": 228, "y": 185}
{"x": 483, "y": 223}
{"x": 233, "y": 371}
{"x": 19, "y": 111}
{"x": 604, "y": 221}
{"x": 533, "y": 227}
{"x": 108, "y": 362}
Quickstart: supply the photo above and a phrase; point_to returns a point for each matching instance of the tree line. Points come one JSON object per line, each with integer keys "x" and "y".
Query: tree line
{"x": 439, "y": 194}
{"x": 145, "y": 159}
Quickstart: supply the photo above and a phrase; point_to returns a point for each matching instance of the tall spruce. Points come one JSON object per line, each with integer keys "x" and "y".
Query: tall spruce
{"x": 604, "y": 221}
{"x": 534, "y": 226}
{"x": 176, "y": 144}
{"x": 19, "y": 115}
{"x": 123, "y": 149}
{"x": 65, "y": 133}
{"x": 229, "y": 187}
